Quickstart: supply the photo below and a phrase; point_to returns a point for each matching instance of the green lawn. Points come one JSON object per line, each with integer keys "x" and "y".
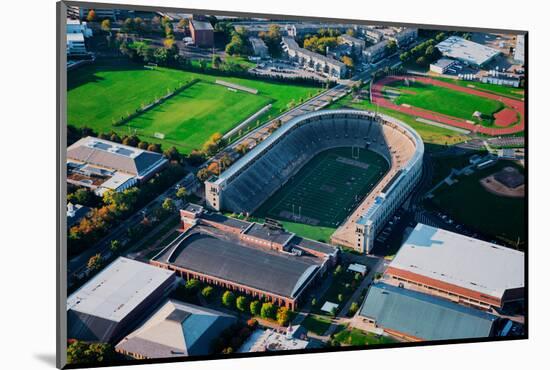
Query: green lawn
{"x": 324, "y": 191}
{"x": 316, "y": 324}
{"x": 190, "y": 117}
{"x": 508, "y": 91}
{"x": 338, "y": 286}
{"x": 469, "y": 203}
{"x": 445, "y": 101}
{"x": 101, "y": 93}
{"x": 429, "y": 133}
{"x": 356, "y": 337}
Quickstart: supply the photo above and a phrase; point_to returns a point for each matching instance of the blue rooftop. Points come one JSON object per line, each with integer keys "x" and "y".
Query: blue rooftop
{"x": 424, "y": 316}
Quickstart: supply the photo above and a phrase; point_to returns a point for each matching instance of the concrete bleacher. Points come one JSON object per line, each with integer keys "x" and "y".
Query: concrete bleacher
{"x": 247, "y": 191}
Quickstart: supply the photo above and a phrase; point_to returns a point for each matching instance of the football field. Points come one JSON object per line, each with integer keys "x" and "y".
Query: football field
{"x": 325, "y": 191}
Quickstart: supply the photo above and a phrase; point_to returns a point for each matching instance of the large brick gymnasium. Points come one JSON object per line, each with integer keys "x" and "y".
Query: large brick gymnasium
{"x": 372, "y": 162}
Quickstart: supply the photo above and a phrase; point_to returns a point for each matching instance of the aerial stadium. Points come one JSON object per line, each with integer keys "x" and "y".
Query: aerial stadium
{"x": 369, "y": 164}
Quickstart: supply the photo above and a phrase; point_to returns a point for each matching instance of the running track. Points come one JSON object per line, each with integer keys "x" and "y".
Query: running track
{"x": 516, "y": 105}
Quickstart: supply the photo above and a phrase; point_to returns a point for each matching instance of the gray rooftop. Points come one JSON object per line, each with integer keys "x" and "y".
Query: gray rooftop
{"x": 112, "y": 295}
{"x": 177, "y": 329}
{"x": 114, "y": 156}
{"x": 314, "y": 245}
{"x": 269, "y": 271}
{"x": 292, "y": 44}
{"x": 424, "y": 316}
{"x": 460, "y": 260}
{"x": 228, "y": 221}
{"x": 202, "y": 25}
{"x": 443, "y": 62}
{"x": 467, "y": 51}
{"x": 274, "y": 235}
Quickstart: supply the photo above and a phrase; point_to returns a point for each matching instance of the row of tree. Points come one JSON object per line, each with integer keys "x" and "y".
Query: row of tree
{"x": 425, "y": 53}
{"x": 265, "y": 310}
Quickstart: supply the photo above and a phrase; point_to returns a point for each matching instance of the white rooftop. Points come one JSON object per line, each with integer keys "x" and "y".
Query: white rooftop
{"x": 118, "y": 289}
{"x": 75, "y": 37}
{"x": 328, "y": 306}
{"x": 466, "y": 51}
{"x": 271, "y": 340}
{"x": 460, "y": 260}
{"x": 357, "y": 267}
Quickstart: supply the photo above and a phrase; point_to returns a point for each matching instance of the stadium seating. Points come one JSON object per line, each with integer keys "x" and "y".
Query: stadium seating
{"x": 285, "y": 156}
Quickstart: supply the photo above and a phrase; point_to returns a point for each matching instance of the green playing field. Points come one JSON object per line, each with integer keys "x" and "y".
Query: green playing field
{"x": 101, "y": 93}
{"x": 442, "y": 100}
{"x": 327, "y": 188}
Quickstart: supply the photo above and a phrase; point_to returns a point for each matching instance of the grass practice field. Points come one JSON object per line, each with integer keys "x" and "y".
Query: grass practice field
{"x": 101, "y": 93}
{"x": 190, "y": 117}
{"x": 469, "y": 203}
{"x": 325, "y": 191}
{"x": 442, "y": 100}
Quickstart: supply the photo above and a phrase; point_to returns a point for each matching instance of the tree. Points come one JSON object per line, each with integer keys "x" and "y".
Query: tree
{"x": 106, "y": 25}
{"x": 95, "y": 262}
{"x": 196, "y": 157}
{"x": 333, "y": 311}
{"x": 168, "y": 43}
{"x": 391, "y": 47}
{"x": 130, "y": 140}
{"x": 154, "y": 148}
{"x": 115, "y": 246}
{"x": 283, "y": 315}
{"x": 91, "y": 16}
{"x": 421, "y": 61}
{"x": 203, "y": 174}
{"x": 172, "y": 154}
{"x": 183, "y": 23}
{"x": 404, "y": 57}
{"x": 82, "y": 196}
{"x": 241, "y": 303}
{"x": 181, "y": 192}
{"x": 314, "y": 302}
{"x": 192, "y": 286}
{"x": 340, "y": 297}
{"x": 168, "y": 205}
{"x": 347, "y": 61}
{"x": 242, "y": 148}
{"x": 338, "y": 270}
{"x": 353, "y": 308}
{"x": 226, "y": 160}
{"x": 251, "y": 323}
{"x": 358, "y": 276}
{"x": 255, "y": 307}
{"x": 268, "y": 311}
{"x": 160, "y": 56}
{"x": 143, "y": 145}
{"x": 79, "y": 352}
{"x": 207, "y": 291}
{"x": 228, "y": 298}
